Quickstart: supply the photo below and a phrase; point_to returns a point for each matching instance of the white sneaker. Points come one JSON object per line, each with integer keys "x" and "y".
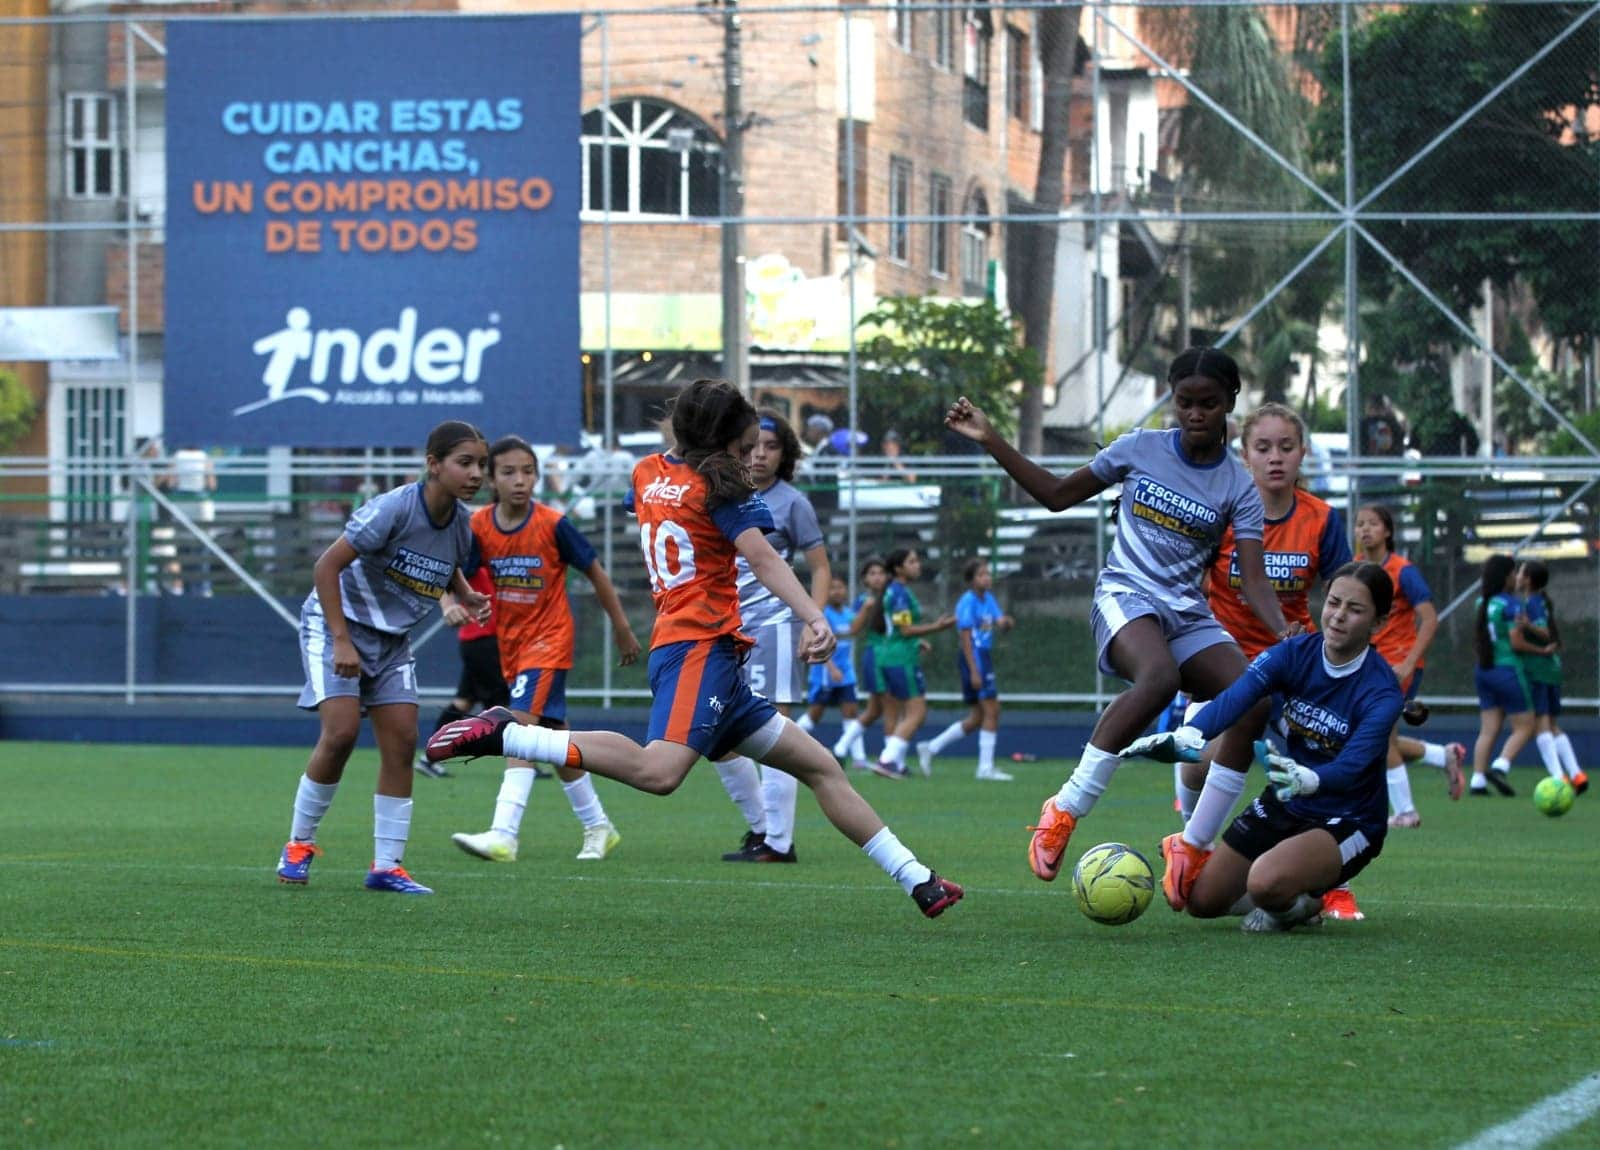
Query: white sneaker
{"x": 841, "y": 751}
{"x": 1306, "y": 912}
{"x": 995, "y": 775}
{"x": 925, "y": 759}
{"x": 496, "y": 846}
{"x": 598, "y": 841}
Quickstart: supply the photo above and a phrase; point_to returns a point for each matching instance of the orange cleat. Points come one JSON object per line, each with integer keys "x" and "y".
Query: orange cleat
{"x": 1050, "y": 838}
{"x": 1580, "y": 782}
{"x": 1184, "y": 863}
{"x": 1340, "y": 903}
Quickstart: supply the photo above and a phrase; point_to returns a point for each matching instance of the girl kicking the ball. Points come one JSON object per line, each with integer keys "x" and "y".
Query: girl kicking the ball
{"x": 1180, "y": 490}
{"x": 1321, "y": 819}
{"x": 698, "y": 510}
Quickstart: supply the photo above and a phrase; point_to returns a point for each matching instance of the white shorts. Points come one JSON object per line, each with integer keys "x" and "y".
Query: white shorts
{"x": 1187, "y": 632}
{"x": 774, "y": 668}
{"x": 388, "y": 669}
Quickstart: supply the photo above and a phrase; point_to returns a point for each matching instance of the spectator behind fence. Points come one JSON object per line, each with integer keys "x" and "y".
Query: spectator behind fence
{"x": 1382, "y": 430}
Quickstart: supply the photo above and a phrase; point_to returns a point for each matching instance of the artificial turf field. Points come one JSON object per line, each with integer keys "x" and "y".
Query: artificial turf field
{"x": 158, "y": 986}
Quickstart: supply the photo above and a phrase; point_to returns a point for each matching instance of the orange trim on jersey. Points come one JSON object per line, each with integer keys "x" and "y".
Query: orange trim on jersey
{"x": 687, "y": 692}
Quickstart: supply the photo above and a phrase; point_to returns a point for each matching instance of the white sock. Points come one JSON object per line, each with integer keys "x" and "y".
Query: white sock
{"x": 1569, "y": 760}
{"x": 310, "y": 804}
{"x": 1501, "y": 764}
{"x": 897, "y": 862}
{"x": 1400, "y": 790}
{"x": 1480, "y": 781}
{"x": 779, "y": 791}
{"x": 537, "y": 744}
{"x": 955, "y": 732}
{"x": 1187, "y": 795}
{"x": 1546, "y": 742}
{"x": 852, "y": 733}
{"x": 805, "y": 722}
{"x": 585, "y": 803}
{"x": 894, "y": 750}
{"x": 1088, "y": 782}
{"x": 858, "y": 745}
{"x": 1222, "y": 789}
{"x": 512, "y": 800}
{"x": 391, "y": 826}
{"x": 986, "y": 742}
{"x": 743, "y": 783}
{"x": 1434, "y": 755}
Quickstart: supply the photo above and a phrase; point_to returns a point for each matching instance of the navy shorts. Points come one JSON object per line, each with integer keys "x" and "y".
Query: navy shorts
{"x": 700, "y": 699}
{"x": 969, "y": 693}
{"x": 1546, "y": 698}
{"x": 480, "y": 680}
{"x": 1413, "y": 686}
{"x": 1266, "y": 822}
{"x": 867, "y": 678}
{"x": 903, "y": 682}
{"x": 541, "y": 692}
{"x": 832, "y": 695}
{"x": 1503, "y": 688}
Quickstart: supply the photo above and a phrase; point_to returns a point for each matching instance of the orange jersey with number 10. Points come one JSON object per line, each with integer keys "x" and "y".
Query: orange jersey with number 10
{"x": 689, "y": 551}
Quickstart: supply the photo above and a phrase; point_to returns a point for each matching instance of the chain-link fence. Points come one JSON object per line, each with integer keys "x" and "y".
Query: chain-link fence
{"x": 1390, "y": 214}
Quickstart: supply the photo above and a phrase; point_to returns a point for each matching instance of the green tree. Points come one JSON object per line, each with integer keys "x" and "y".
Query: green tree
{"x": 923, "y": 352}
{"x": 18, "y": 409}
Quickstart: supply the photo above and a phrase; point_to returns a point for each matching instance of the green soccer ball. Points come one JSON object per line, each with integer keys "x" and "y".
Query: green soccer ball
{"x": 1113, "y": 883}
{"x": 1553, "y": 796}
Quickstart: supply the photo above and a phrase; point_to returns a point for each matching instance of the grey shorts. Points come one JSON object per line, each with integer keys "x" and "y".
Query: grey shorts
{"x": 388, "y": 669}
{"x": 1187, "y": 632}
{"x": 774, "y": 668}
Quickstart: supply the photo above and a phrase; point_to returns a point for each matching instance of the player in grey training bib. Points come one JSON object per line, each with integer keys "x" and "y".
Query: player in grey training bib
{"x": 1180, "y": 489}
{"x": 397, "y": 556}
{"x": 767, "y": 798}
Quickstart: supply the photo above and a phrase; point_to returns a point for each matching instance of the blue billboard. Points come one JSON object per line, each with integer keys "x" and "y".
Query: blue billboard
{"x": 372, "y": 226}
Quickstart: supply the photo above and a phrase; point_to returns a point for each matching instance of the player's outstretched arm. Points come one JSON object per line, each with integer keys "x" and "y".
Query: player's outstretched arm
{"x": 606, "y": 592}
{"x": 1055, "y": 492}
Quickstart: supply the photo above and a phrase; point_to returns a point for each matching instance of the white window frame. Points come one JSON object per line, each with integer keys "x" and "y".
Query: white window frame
{"x": 902, "y": 28}
{"x": 975, "y": 245}
{"x": 637, "y": 136}
{"x": 95, "y": 107}
{"x": 900, "y": 176}
{"x": 944, "y": 39}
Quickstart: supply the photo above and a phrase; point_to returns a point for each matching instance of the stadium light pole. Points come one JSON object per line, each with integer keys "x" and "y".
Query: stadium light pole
{"x": 735, "y": 356}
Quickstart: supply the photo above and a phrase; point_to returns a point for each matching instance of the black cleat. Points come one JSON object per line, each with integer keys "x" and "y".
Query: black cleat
{"x": 471, "y": 738}
{"x": 1478, "y": 792}
{"x": 747, "y": 848}
{"x": 766, "y": 854}
{"x": 936, "y": 895}
{"x": 1500, "y": 782}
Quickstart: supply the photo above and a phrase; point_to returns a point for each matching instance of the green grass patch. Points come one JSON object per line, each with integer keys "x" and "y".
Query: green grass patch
{"x": 157, "y": 985}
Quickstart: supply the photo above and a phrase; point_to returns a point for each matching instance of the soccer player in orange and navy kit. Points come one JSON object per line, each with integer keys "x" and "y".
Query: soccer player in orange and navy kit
{"x": 1403, "y": 642}
{"x": 697, "y": 511}
{"x": 527, "y": 547}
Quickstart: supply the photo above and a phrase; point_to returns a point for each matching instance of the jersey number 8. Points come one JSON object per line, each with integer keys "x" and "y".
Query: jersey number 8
{"x": 663, "y": 575}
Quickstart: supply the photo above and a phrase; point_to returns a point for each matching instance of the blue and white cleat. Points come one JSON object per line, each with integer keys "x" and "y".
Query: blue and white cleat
{"x": 294, "y": 864}
{"x": 395, "y": 881}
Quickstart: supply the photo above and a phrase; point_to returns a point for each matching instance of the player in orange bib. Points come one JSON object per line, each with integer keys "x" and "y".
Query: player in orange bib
{"x": 1403, "y": 642}
{"x": 697, "y": 511}
{"x": 527, "y": 547}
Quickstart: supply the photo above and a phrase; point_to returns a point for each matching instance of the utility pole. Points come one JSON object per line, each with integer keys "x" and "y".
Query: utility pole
{"x": 735, "y": 353}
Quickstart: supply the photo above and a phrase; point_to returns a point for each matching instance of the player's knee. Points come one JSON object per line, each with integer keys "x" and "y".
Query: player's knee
{"x": 658, "y": 780}
{"x": 338, "y": 739}
{"x": 1273, "y": 887}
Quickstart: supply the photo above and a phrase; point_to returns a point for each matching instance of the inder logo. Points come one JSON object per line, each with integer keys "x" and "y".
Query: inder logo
{"x": 301, "y": 362}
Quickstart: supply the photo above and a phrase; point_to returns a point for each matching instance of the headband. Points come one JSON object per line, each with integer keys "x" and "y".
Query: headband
{"x": 767, "y": 423}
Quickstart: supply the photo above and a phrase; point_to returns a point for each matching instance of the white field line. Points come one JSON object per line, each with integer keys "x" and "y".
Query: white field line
{"x": 1544, "y": 1120}
{"x": 501, "y": 873}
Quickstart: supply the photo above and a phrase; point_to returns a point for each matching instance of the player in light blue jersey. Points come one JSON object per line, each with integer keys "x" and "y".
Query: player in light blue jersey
{"x": 833, "y": 684}
{"x": 978, "y": 617}
{"x": 1180, "y": 490}
{"x": 1323, "y": 816}
{"x": 764, "y": 796}
{"x": 398, "y": 555}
